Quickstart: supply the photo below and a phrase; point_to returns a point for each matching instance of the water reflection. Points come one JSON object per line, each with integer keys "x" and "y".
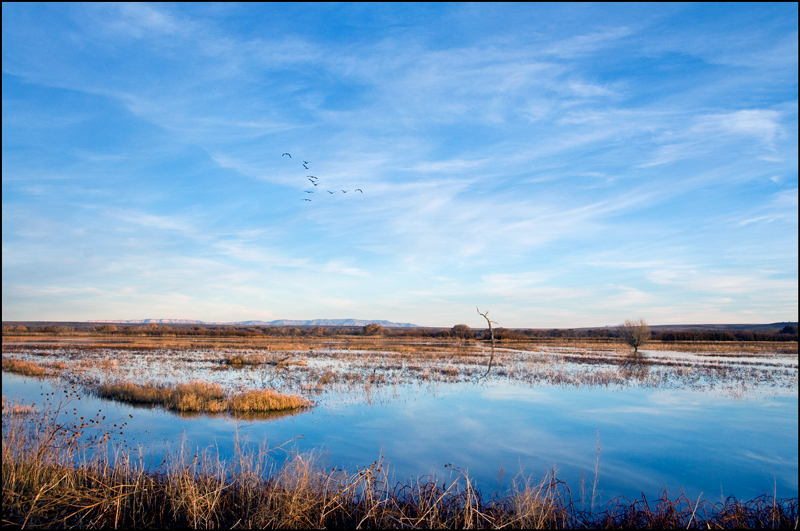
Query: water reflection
{"x": 201, "y": 415}
{"x": 650, "y": 438}
{"x": 636, "y": 368}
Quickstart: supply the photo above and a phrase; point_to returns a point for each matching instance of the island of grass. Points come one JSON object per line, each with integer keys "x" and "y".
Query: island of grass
{"x": 198, "y": 397}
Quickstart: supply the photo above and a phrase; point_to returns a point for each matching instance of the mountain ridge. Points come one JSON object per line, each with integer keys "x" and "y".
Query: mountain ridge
{"x": 277, "y": 322}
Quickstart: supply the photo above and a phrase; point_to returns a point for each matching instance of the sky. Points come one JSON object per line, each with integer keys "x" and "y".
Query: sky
{"x": 560, "y": 165}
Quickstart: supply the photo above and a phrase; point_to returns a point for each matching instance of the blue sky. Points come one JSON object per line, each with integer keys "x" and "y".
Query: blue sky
{"x": 558, "y": 165}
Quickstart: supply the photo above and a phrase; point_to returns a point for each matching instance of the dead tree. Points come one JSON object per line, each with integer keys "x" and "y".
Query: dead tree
{"x": 491, "y": 334}
{"x": 486, "y": 316}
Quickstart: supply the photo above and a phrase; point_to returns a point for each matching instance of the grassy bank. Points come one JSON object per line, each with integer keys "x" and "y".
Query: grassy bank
{"x": 201, "y": 397}
{"x": 49, "y": 482}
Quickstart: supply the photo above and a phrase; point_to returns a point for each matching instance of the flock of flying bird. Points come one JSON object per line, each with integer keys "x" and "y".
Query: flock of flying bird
{"x": 314, "y": 180}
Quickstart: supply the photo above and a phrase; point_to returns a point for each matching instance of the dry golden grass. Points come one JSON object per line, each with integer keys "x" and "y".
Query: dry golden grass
{"x": 431, "y": 346}
{"x": 134, "y": 393}
{"x": 263, "y": 401}
{"x": 25, "y": 368}
{"x": 201, "y": 397}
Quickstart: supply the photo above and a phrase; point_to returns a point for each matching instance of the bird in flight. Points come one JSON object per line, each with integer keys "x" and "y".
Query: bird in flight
{"x": 290, "y": 155}
{"x": 330, "y": 192}
{"x": 358, "y": 190}
{"x": 344, "y": 191}
{"x": 312, "y": 177}
{"x": 306, "y": 167}
{"x": 305, "y": 162}
{"x": 312, "y": 182}
{"x": 306, "y": 199}
{"x": 309, "y": 191}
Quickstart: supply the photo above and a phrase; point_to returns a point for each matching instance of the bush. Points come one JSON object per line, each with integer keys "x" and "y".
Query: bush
{"x": 374, "y": 329}
{"x": 462, "y": 331}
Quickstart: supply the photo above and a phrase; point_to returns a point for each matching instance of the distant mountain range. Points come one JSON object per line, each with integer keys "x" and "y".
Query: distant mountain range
{"x": 361, "y": 322}
{"x": 279, "y": 322}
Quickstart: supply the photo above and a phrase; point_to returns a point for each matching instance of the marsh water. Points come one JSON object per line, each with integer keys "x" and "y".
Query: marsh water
{"x": 704, "y": 441}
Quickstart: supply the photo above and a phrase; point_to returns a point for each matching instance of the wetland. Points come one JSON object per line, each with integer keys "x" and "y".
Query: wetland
{"x": 581, "y": 425}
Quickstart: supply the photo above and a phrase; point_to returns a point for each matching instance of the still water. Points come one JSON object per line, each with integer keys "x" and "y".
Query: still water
{"x": 650, "y": 439}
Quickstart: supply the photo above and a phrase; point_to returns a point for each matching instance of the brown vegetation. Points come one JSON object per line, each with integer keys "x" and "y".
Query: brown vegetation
{"x": 201, "y": 397}
{"x": 787, "y": 333}
{"x": 25, "y": 368}
{"x": 239, "y": 360}
{"x": 48, "y": 483}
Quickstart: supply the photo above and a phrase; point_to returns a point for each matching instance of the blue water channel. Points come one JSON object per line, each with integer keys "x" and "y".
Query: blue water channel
{"x": 650, "y": 439}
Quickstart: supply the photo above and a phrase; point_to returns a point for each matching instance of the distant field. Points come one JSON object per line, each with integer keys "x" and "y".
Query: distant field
{"x": 91, "y": 340}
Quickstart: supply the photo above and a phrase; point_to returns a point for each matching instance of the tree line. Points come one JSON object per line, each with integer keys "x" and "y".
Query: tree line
{"x": 460, "y": 331}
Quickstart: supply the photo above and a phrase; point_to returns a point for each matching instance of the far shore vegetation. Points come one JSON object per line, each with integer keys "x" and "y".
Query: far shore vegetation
{"x": 786, "y": 333}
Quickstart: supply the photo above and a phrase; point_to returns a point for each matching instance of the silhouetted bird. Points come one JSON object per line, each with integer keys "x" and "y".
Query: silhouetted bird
{"x": 309, "y": 191}
{"x": 306, "y": 199}
{"x": 306, "y": 167}
{"x": 290, "y": 155}
{"x": 312, "y": 182}
{"x": 312, "y": 177}
{"x": 305, "y": 162}
{"x": 358, "y": 190}
{"x": 344, "y": 191}
{"x": 330, "y": 192}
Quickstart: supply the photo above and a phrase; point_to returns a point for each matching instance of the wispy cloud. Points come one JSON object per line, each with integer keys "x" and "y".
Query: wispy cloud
{"x": 590, "y": 43}
{"x": 759, "y": 123}
{"x": 557, "y": 169}
{"x": 721, "y": 283}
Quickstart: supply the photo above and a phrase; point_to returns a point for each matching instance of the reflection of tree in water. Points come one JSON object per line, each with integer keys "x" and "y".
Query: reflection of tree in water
{"x": 491, "y": 333}
{"x": 636, "y": 367}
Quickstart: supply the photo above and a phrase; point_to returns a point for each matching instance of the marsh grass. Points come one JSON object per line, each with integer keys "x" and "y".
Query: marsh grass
{"x": 197, "y": 397}
{"x": 264, "y": 400}
{"x": 25, "y": 368}
{"x": 398, "y": 345}
{"x": 341, "y": 367}
{"x": 56, "y": 475}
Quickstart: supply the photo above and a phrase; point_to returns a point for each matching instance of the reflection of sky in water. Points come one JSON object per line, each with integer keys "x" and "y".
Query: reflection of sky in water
{"x": 649, "y": 437}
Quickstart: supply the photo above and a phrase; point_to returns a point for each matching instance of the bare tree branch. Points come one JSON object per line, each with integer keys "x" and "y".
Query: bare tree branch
{"x": 491, "y": 333}
{"x": 486, "y": 316}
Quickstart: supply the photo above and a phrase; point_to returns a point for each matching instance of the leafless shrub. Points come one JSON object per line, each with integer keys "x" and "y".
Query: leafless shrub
{"x": 374, "y": 329}
{"x": 634, "y": 333}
